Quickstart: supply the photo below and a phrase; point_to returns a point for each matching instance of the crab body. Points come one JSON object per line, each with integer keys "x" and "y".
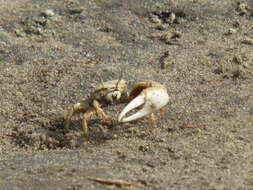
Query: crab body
{"x": 107, "y": 93}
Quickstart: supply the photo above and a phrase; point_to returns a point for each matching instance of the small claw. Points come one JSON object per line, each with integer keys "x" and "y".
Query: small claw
{"x": 151, "y": 99}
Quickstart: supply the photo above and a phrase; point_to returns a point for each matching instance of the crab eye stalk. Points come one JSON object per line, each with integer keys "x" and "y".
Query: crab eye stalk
{"x": 113, "y": 96}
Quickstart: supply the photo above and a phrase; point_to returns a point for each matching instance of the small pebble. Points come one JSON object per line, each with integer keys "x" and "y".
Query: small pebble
{"x": 19, "y": 33}
{"x": 176, "y": 35}
{"x": 231, "y": 31}
{"x": 48, "y": 13}
{"x": 171, "y": 18}
{"x": 242, "y": 8}
{"x": 155, "y": 19}
{"x": 77, "y": 10}
{"x": 160, "y": 27}
{"x": 247, "y": 41}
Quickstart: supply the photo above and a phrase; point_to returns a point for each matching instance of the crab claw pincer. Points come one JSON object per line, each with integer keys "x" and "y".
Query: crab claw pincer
{"x": 149, "y": 96}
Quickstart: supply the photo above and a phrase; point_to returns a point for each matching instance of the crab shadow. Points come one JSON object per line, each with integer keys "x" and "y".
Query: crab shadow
{"x": 51, "y": 135}
{"x": 99, "y": 133}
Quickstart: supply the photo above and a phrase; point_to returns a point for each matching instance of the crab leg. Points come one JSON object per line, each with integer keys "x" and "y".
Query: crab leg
{"x": 100, "y": 113}
{"x": 150, "y": 99}
{"x": 78, "y": 107}
{"x": 81, "y": 107}
{"x": 86, "y": 117}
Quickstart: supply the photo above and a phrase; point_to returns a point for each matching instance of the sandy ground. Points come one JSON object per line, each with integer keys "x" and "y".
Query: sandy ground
{"x": 53, "y": 53}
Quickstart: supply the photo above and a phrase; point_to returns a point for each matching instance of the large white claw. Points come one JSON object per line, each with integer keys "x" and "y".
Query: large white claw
{"x": 151, "y": 99}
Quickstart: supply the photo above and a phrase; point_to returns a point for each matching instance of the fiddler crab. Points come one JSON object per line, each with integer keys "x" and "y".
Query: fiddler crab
{"x": 146, "y": 97}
